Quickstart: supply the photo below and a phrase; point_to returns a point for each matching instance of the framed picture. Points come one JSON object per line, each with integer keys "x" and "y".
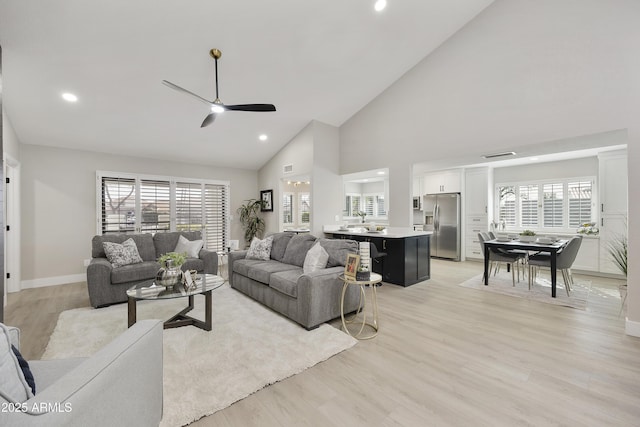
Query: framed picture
{"x": 351, "y": 266}
{"x": 267, "y": 200}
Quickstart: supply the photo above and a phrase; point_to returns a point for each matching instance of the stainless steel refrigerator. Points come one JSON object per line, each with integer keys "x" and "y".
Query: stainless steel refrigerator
{"x": 442, "y": 216}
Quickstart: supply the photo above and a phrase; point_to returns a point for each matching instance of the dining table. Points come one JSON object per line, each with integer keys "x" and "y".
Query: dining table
{"x": 511, "y": 244}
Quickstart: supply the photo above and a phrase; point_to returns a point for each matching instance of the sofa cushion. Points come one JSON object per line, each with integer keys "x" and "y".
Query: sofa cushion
{"x": 262, "y": 272}
{"x": 167, "y": 242}
{"x": 260, "y": 249}
{"x": 135, "y": 272}
{"x": 279, "y": 245}
{"x": 144, "y": 243}
{"x": 193, "y": 264}
{"x": 13, "y": 385}
{"x": 338, "y": 250}
{"x": 286, "y": 282}
{"x": 297, "y": 249}
{"x": 316, "y": 259}
{"x": 190, "y": 247}
{"x": 242, "y": 266}
{"x": 122, "y": 254}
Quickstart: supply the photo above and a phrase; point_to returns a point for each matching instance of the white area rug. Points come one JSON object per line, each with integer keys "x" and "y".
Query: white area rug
{"x": 248, "y": 348}
{"x": 540, "y": 291}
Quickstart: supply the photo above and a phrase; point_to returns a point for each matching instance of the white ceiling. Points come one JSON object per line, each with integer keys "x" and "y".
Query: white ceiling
{"x": 315, "y": 60}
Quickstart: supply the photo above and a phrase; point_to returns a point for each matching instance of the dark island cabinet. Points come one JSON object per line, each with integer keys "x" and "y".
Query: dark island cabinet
{"x": 408, "y": 259}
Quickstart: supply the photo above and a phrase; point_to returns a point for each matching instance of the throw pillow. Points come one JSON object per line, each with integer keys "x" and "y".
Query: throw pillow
{"x": 260, "y": 249}
{"x": 190, "y": 247}
{"x": 26, "y": 370}
{"x": 316, "y": 259}
{"x": 297, "y": 249}
{"x": 122, "y": 254}
{"x": 13, "y": 385}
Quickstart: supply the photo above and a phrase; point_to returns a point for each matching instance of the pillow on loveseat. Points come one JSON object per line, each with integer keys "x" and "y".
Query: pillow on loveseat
{"x": 316, "y": 259}
{"x": 338, "y": 250}
{"x": 297, "y": 249}
{"x": 190, "y": 247}
{"x": 260, "y": 249}
{"x": 122, "y": 254}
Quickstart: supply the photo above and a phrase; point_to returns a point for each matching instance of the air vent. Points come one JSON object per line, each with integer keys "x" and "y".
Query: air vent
{"x": 494, "y": 155}
{"x": 287, "y": 168}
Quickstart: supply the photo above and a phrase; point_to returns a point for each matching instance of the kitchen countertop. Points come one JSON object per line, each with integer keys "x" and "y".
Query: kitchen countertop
{"x": 390, "y": 232}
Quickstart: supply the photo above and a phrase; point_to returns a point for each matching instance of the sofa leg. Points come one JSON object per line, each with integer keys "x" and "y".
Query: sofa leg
{"x": 312, "y": 328}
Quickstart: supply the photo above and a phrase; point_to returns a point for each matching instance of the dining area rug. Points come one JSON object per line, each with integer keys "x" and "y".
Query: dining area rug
{"x": 540, "y": 290}
{"x": 249, "y": 348}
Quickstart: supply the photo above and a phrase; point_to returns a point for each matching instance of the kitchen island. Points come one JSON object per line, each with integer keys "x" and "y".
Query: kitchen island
{"x": 408, "y": 259}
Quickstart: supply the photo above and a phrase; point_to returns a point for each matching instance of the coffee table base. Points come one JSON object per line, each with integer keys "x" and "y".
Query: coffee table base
{"x": 181, "y": 318}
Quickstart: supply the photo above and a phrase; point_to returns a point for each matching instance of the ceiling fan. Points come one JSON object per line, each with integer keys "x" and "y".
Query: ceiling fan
{"x": 216, "y": 105}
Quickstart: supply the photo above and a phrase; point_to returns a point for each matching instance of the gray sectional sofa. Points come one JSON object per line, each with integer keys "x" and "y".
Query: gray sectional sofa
{"x": 108, "y": 285}
{"x": 279, "y": 283}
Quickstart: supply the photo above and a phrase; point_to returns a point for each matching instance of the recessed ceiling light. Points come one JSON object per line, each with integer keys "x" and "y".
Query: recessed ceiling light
{"x": 69, "y": 97}
{"x": 262, "y": 137}
{"x": 380, "y": 5}
{"x": 380, "y": 172}
{"x": 533, "y": 159}
{"x": 365, "y": 180}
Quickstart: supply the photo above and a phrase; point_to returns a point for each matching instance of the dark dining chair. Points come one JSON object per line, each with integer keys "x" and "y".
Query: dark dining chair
{"x": 496, "y": 257}
{"x": 564, "y": 261}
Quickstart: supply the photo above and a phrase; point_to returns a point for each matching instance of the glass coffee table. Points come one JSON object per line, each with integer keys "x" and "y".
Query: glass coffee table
{"x": 150, "y": 291}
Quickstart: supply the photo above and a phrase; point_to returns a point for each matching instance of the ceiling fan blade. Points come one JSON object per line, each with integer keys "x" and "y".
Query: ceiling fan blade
{"x": 179, "y": 89}
{"x": 211, "y": 117}
{"x": 251, "y": 107}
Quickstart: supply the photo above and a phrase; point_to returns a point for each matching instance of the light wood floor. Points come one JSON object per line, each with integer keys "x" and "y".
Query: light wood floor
{"x": 445, "y": 356}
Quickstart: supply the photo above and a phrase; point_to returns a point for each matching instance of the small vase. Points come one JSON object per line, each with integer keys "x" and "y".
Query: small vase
{"x": 169, "y": 276}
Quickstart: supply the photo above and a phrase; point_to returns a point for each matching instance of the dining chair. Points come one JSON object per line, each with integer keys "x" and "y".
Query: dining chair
{"x": 564, "y": 261}
{"x": 496, "y": 257}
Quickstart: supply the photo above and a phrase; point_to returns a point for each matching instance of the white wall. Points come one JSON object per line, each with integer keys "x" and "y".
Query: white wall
{"x": 575, "y": 168}
{"x": 523, "y": 72}
{"x": 10, "y": 143}
{"x": 58, "y": 203}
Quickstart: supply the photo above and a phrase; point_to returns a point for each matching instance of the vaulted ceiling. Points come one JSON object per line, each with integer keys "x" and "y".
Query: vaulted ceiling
{"x": 315, "y": 60}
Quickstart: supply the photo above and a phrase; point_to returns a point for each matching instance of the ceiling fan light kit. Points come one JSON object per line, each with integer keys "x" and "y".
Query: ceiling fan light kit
{"x": 216, "y": 105}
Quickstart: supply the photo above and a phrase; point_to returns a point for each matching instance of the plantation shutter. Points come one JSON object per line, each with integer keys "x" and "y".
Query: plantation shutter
{"x": 287, "y": 208}
{"x": 305, "y": 208}
{"x": 507, "y": 207}
{"x": 381, "y": 209}
{"x": 155, "y": 206}
{"x": 579, "y": 194}
{"x": 118, "y": 205}
{"x": 216, "y": 204}
{"x": 528, "y": 205}
{"x": 189, "y": 206}
{"x": 552, "y": 204}
{"x": 368, "y": 205}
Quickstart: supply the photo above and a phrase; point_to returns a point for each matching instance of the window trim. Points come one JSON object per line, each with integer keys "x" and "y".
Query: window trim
{"x": 566, "y": 228}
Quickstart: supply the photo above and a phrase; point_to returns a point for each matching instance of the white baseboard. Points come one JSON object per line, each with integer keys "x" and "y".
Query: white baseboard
{"x": 632, "y": 328}
{"x": 52, "y": 281}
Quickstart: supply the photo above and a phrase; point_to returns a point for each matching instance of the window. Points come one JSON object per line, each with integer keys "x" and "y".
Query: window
{"x": 287, "y": 208}
{"x": 134, "y": 203}
{"x": 304, "y": 208}
{"x": 352, "y": 205}
{"x": 371, "y": 204}
{"x": 561, "y": 205}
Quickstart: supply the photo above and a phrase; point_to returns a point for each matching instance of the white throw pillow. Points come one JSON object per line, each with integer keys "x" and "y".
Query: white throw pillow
{"x": 260, "y": 249}
{"x": 13, "y": 385}
{"x": 190, "y": 247}
{"x": 122, "y": 254}
{"x": 316, "y": 259}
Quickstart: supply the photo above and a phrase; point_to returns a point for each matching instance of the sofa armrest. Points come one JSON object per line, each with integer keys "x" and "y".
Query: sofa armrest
{"x": 210, "y": 259}
{"x": 119, "y": 385}
{"x": 233, "y": 257}
{"x": 14, "y": 336}
{"x": 98, "y": 278}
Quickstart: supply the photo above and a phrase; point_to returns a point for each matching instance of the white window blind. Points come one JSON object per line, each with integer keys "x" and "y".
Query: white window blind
{"x": 189, "y": 203}
{"x": 155, "y": 204}
{"x": 579, "y": 194}
{"x": 369, "y": 205}
{"x": 304, "y": 208}
{"x": 352, "y": 205}
{"x": 287, "y": 208}
{"x": 507, "y": 205}
{"x": 528, "y": 205}
{"x": 380, "y": 206}
{"x": 552, "y": 205}
{"x": 118, "y": 202}
{"x": 216, "y": 203}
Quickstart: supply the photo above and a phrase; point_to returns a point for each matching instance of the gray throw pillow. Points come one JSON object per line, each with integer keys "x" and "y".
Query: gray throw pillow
{"x": 122, "y": 254}
{"x": 338, "y": 250}
{"x": 297, "y": 249}
{"x": 260, "y": 249}
{"x": 280, "y": 242}
{"x": 190, "y": 247}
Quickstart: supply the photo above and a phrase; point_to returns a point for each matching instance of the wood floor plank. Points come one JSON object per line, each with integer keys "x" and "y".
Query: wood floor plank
{"x": 444, "y": 356}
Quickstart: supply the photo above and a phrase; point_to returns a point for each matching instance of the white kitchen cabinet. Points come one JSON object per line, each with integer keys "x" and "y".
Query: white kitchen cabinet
{"x": 588, "y": 254}
{"x": 613, "y": 179}
{"x": 417, "y": 187}
{"x": 442, "y": 182}
{"x": 474, "y": 225}
{"x": 476, "y": 191}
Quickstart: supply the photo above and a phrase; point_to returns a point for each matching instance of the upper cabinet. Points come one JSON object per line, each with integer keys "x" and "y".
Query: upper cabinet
{"x": 613, "y": 182}
{"x": 476, "y": 191}
{"x": 442, "y": 182}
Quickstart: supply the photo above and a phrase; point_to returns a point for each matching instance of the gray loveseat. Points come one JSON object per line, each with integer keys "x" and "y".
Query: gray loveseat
{"x": 279, "y": 283}
{"x": 108, "y": 285}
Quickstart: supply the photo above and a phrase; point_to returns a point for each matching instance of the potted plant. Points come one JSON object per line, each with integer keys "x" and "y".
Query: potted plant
{"x": 170, "y": 273}
{"x": 250, "y": 220}
{"x": 527, "y": 236}
{"x": 362, "y": 215}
